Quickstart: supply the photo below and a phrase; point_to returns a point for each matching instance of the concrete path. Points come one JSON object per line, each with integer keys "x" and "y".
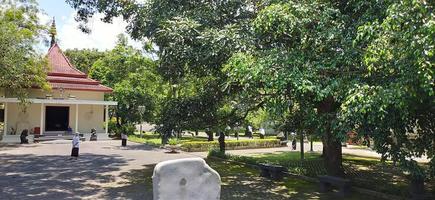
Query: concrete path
{"x": 45, "y": 171}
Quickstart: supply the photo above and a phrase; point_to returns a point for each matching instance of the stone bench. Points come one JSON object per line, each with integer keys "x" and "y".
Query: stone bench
{"x": 342, "y": 184}
{"x": 274, "y": 172}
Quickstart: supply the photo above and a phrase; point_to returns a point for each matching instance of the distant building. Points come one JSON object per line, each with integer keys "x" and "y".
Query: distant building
{"x": 75, "y": 102}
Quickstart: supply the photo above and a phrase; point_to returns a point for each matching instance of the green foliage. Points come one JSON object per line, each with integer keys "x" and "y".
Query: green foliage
{"x": 217, "y": 153}
{"x": 83, "y": 59}
{"x": 21, "y": 67}
{"x": 327, "y": 67}
{"x": 258, "y": 118}
{"x": 172, "y": 141}
{"x": 302, "y": 68}
{"x": 193, "y": 46}
{"x": 395, "y": 104}
{"x": 153, "y": 141}
{"x": 137, "y": 87}
{"x": 231, "y": 144}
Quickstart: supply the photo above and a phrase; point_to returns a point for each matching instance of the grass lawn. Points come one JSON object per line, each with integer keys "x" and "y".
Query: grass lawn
{"x": 200, "y": 143}
{"x": 365, "y": 172}
{"x": 238, "y": 182}
{"x": 154, "y": 139}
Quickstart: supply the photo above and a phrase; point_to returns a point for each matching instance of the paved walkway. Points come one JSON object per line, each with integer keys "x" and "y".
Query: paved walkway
{"x": 317, "y": 147}
{"x": 45, "y": 171}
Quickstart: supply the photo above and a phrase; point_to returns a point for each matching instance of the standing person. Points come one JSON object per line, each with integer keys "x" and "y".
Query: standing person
{"x": 75, "y": 146}
{"x": 262, "y": 133}
{"x": 23, "y": 137}
{"x": 294, "y": 144}
{"x": 124, "y": 138}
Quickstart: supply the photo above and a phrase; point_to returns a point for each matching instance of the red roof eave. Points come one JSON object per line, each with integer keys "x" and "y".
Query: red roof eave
{"x": 81, "y": 87}
{"x": 67, "y": 75}
{"x": 90, "y": 90}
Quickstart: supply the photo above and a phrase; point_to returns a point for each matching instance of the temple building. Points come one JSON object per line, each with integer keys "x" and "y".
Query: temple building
{"x": 75, "y": 103}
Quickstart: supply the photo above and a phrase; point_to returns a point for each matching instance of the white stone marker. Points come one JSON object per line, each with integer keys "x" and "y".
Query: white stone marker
{"x": 186, "y": 179}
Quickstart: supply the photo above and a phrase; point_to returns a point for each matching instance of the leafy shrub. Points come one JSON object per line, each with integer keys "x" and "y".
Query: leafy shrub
{"x": 217, "y": 153}
{"x": 173, "y": 141}
{"x": 153, "y": 142}
{"x": 116, "y": 131}
{"x": 230, "y": 144}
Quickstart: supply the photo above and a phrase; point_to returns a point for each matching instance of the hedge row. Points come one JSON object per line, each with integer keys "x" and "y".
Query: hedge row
{"x": 231, "y": 144}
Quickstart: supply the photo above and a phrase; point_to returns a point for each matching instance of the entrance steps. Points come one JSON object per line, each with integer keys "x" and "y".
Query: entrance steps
{"x": 50, "y": 137}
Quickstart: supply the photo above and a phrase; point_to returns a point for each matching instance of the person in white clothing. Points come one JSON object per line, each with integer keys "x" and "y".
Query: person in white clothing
{"x": 262, "y": 133}
{"x": 124, "y": 138}
{"x": 75, "y": 146}
{"x": 250, "y": 133}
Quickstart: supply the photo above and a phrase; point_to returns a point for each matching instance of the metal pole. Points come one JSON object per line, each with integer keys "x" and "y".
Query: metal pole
{"x": 77, "y": 118}
{"x": 41, "y": 128}
{"x": 107, "y": 119}
{"x": 5, "y": 127}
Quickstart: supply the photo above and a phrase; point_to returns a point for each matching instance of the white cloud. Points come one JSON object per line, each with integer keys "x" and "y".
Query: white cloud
{"x": 102, "y": 36}
{"x": 43, "y": 18}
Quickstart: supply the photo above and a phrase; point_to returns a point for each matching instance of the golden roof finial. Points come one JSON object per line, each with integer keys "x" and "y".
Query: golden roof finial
{"x": 53, "y": 33}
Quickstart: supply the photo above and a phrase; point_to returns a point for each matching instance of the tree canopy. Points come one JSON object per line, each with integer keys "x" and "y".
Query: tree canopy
{"x": 137, "y": 87}
{"x": 395, "y": 103}
{"x": 21, "y": 66}
{"x": 325, "y": 66}
{"x": 83, "y": 59}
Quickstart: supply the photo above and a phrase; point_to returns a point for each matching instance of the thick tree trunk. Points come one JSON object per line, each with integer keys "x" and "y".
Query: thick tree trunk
{"x": 302, "y": 145}
{"x": 332, "y": 154}
{"x": 311, "y": 144}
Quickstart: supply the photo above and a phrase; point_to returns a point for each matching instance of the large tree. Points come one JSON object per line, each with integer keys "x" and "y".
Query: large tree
{"x": 300, "y": 59}
{"x": 21, "y": 66}
{"x": 395, "y": 103}
{"x": 195, "y": 39}
{"x": 83, "y": 59}
{"x": 133, "y": 77}
{"x": 304, "y": 64}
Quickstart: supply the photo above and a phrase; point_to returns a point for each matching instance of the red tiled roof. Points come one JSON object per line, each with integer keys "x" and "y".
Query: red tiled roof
{"x": 62, "y": 74}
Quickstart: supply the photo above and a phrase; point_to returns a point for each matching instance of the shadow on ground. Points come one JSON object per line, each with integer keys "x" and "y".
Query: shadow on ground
{"x": 137, "y": 185}
{"x": 133, "y": 146}
{"x": 4, "y": 147}
{"x": 55, "y": 177}
{"x": 238, "y": 182}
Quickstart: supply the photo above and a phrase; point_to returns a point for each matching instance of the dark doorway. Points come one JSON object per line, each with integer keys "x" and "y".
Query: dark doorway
{"x": 2, "y": 115}
{"x": 56, "y": 118}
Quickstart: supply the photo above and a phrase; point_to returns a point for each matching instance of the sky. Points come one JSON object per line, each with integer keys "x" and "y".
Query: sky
{"x": 102, "y": 36}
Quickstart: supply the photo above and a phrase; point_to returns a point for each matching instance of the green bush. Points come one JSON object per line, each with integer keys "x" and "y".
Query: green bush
{"x": 153, "y": 142}
{"x": 116, "y": 131}
{"x": 217, "y": 153}
{"x": 230, "y": 144}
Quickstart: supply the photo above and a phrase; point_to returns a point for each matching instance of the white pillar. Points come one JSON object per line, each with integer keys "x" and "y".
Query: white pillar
{"x": 77, "y": 118}
{"x": 5, "y": 127}
{"x": 41, "y": 128}
{"x": 107, "y": 119}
